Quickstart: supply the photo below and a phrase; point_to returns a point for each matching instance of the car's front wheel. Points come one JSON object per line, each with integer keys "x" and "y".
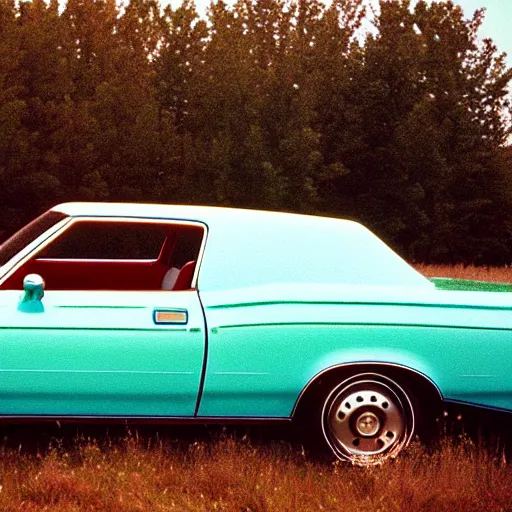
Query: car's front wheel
{"x": 367, "y": 419}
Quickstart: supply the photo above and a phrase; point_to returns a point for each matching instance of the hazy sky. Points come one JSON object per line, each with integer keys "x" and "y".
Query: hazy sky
{"x": 497, "y": 24}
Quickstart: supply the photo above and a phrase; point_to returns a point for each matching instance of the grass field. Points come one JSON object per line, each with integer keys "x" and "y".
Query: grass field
{"x": 224, "y": 473}
{"x": 198, "y": 469}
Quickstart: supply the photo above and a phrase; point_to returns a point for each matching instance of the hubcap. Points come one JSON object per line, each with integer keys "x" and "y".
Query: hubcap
{"x": 367, "y": 424}
{"x": 367, "y": 419}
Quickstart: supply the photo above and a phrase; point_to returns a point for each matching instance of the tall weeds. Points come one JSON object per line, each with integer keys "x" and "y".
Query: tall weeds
{"x": 235, "y": 475}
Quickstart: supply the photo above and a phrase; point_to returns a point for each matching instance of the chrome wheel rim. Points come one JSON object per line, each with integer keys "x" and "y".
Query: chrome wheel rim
{"x": 367, "y": 419}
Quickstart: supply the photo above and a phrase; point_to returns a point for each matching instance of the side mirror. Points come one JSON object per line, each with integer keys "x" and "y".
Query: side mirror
{"x": 33, "y": 286}
{"x": 33, "y": 292}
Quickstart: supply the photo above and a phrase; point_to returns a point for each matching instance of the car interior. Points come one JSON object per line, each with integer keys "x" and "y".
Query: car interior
{"x": 109, "y": 255}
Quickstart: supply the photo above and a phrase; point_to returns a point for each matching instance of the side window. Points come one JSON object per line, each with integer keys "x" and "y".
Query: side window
{"x": 111, "y": 241}
{"x": 183, "y": 258}
{"x": 187, "y": 246}
{"x": 116, "y": 255}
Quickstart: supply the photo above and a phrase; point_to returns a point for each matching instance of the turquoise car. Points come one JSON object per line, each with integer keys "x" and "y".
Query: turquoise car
{"x": 180, "y": 313}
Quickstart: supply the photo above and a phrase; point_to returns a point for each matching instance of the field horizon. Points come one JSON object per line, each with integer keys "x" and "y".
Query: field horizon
{"x": 491, "y": 274}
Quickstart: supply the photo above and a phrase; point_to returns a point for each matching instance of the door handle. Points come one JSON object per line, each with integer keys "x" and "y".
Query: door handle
{"x": 162, "y": 316}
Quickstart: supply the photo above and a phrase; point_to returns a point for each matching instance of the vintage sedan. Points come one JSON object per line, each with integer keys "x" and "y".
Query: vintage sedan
{"x": 189, "y": 313}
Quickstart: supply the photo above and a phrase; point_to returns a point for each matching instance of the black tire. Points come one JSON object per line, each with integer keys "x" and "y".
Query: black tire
{"x": 367, "y": 419}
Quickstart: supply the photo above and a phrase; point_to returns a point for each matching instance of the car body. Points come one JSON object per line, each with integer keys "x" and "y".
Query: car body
{"x": 192, "y": 313}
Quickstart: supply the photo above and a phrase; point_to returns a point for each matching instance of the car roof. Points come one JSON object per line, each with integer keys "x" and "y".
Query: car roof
{"x": 182, "y": 212}
{"x": 253, "y": 247}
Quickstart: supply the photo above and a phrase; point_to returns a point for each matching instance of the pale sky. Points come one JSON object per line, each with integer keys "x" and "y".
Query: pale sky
{"x": 497, "y": 24}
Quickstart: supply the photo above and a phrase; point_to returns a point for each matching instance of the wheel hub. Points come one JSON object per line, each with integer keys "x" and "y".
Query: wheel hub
{"x": 367, "y": 419}
{"x": 367, "y": 424}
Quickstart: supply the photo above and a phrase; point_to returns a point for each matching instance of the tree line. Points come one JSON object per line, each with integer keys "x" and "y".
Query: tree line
{"x": 272, "y": 104}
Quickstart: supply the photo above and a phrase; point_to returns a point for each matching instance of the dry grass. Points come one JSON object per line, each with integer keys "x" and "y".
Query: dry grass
{"x": 234, "y": 475}
{"x": 492, "y": 274}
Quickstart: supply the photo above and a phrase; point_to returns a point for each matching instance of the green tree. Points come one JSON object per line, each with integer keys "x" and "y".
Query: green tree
{"x": 179, "y": 86}
{"x": 325, "y": 58}
{"x": 467, "y": 85}
{"x": 13, "y": 110}
{"x": 420, "y": 169}
{"x": 274, "y": 104}
{"x": 41, "y": 80}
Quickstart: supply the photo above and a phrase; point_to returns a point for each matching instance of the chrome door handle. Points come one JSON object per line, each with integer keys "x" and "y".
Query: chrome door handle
{"x": 170, "y": 316}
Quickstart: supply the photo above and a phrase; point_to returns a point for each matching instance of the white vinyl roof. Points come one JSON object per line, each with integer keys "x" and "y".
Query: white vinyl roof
{"x": 252, "y": 248}
{"x": 181, "y": 212}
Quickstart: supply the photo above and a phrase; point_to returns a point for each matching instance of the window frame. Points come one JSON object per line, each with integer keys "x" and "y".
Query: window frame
{"x": 58, "y": 230}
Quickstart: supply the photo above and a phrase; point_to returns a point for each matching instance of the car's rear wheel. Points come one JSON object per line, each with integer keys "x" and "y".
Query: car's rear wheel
{"x": 367, "y": 419}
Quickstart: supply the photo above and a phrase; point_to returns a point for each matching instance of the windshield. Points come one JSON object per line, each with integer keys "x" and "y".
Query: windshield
{"x": 30, "y": 232}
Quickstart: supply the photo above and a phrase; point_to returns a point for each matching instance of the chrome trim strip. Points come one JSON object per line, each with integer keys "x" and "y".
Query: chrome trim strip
{"x": 364, "y": 323}
{"x": 21, "y": 418}
{"x": 362, "y": 363}
{"x": 361, "y": 303}
{"x": 490, "y": 408}
{"x": 199, "y": 260}
{"x": 74, "y": 372}
{"x": 97, "y": 260}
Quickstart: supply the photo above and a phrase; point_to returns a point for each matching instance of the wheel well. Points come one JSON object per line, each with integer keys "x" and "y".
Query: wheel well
{"x": 419, "y": 385}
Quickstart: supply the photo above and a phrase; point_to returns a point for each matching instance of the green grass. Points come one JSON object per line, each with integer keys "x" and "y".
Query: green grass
{"x": 444, "y": 283}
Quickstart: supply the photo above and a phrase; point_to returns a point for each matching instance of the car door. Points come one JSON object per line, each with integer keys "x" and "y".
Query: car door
{"x": 93, "y": 352}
